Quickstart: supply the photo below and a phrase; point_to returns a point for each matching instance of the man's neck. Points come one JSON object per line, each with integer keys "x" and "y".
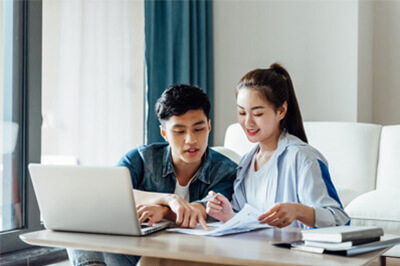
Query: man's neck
{"x": 184, "y": 171}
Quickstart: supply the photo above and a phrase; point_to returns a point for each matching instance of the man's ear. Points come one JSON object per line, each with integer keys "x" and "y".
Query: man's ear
{"x": 163, "y": 133}
{"x": 209, "y": 124}
{"x": 282, "y": 111}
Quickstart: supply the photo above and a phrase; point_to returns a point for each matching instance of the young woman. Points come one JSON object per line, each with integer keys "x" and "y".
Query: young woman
{"x": 283, "y": 177}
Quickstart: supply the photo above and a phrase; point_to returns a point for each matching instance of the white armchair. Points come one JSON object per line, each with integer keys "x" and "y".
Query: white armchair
{"x": 363, "y": 163}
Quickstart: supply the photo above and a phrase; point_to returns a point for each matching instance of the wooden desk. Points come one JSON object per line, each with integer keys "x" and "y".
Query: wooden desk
{"x": 164, "y": 248}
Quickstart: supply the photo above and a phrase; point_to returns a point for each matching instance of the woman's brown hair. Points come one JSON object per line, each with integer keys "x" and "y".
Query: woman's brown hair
{"x": 275, "y": 85}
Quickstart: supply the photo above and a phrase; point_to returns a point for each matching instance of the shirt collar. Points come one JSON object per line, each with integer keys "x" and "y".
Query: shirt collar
{"x": 285, "y": 140}
{"x": 168, "y": 167}
{"x": 202, "y": 173}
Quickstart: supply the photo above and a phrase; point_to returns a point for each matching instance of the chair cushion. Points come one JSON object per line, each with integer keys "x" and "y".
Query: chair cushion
{"x": 352, "y": 153}
{"x": 389, "y": 158}
{"x": 228, "y": 153}
{"x": 376, "y": 208}
{"x": 236, "y": 140}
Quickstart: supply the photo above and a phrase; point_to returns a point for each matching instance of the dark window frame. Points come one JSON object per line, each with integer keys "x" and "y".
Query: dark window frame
{"x": 26, "y": 77}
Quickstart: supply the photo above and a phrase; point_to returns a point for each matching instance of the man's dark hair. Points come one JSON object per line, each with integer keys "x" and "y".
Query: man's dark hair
{"x": 178, "y": 99}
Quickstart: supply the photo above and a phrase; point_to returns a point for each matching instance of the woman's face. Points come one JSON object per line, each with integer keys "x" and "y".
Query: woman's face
{"x": 257, "y": 117}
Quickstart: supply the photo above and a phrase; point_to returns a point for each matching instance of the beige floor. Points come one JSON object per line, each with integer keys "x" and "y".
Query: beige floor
{"x": 389, "y": 262}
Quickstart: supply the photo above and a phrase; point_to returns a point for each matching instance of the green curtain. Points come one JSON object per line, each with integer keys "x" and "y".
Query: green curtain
{"x": 178, "y": 49}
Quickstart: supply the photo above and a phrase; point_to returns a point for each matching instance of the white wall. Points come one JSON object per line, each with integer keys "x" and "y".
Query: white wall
{"x": 365, "y": 61}
{"x": 386, "y": 103}
{"x": 317, "y": 41}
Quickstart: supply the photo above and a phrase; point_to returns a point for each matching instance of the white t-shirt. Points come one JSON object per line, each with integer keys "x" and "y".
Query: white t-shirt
{"x": 183, "y": 191}
{"x": 257, "y": 184}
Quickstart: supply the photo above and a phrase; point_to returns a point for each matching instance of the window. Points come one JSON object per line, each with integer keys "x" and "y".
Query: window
{"x": 20, "y": 118}
{"x": 90, "y": 107}
{"x": 11, "y": 123}
{"x": 92, "y": 93}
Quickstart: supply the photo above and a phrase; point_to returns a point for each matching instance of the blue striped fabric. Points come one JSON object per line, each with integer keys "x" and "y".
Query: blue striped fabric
{"x": 329, "y": 185}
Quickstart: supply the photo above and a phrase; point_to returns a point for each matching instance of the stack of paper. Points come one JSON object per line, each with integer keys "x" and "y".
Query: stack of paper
{"x": 244, "y": 221}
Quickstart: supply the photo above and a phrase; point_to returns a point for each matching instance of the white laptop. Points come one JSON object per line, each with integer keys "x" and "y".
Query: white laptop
{"x": 88, "y": 199}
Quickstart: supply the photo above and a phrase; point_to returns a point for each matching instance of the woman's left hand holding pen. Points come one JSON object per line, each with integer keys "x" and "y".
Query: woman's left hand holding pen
{"x": 220, "y": 208}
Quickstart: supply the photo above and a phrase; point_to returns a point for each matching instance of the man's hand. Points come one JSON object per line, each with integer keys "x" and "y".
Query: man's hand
{"x": 200, "y": 216}
{"x": 187, "y": 214}
{"x": 152, "y": 213}
{"x": 184, "y": 214}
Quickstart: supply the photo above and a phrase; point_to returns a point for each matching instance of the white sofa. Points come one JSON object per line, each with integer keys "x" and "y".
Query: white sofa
{"x": 364, "y": 163}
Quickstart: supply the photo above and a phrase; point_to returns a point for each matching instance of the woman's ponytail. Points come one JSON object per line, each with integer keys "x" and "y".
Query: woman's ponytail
{"x": 293, "y": 121}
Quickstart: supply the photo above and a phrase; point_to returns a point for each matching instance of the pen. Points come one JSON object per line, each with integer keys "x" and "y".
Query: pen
{"x": 208, "y": 198}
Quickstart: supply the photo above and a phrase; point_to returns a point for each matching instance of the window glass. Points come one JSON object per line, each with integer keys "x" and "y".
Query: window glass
{"x": 10, "y": 125}
{"x": 92, "y": 93}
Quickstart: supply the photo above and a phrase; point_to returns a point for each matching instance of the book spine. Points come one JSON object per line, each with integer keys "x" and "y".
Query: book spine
{"x": 348, "y": 236}
{"x": 365, "y": 240}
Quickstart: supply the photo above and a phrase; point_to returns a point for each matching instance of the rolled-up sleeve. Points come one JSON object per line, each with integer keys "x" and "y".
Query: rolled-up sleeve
{"x": 133, "y": 161}
{"x": 223, "y": 183}
{"x": 315, "y": 189}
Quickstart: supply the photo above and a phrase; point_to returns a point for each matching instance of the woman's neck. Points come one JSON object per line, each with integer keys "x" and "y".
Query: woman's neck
{"x": 269, "y": 145}
{"x": 267, "y": 149}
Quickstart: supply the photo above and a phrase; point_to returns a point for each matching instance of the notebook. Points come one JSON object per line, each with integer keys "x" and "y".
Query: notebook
{"x": 88, "y": 199}
{"x": 337, "y": 234}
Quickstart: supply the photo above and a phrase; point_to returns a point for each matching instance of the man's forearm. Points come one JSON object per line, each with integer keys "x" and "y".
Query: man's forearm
{"x": 145, "y": 197}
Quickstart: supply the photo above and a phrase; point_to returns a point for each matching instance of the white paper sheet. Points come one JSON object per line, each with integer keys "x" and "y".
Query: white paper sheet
{"x": 244, "y": 221}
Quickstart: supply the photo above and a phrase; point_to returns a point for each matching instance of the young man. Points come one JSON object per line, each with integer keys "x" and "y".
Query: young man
{"x": 169, "y": 177}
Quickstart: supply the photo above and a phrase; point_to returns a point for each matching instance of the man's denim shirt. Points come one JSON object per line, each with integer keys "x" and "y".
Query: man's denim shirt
{"x": 152, "y": 170}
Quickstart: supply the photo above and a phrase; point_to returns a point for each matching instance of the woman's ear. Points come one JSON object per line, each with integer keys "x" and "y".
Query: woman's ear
{"x": 163, "y": 133}
{"x": 282, "y": 111}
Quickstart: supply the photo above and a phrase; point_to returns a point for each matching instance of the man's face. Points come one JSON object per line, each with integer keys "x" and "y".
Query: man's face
{"x": 187, "y": 135}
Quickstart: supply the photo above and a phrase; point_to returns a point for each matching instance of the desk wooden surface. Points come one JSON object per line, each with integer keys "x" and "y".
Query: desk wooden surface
{"x": 253, "y": 248}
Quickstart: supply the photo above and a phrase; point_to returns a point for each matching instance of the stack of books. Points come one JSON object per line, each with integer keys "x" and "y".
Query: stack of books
{"x": 341, "y": 240}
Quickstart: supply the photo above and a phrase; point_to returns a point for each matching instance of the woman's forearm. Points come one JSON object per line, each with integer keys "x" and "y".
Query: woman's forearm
{"x": 306, "y": 215}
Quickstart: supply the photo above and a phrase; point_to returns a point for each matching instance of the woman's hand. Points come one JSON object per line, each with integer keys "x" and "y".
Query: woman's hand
{"x": 283, "y": 214}
{"x": 280, "y": 215}
{"x": 220, "y": 208}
